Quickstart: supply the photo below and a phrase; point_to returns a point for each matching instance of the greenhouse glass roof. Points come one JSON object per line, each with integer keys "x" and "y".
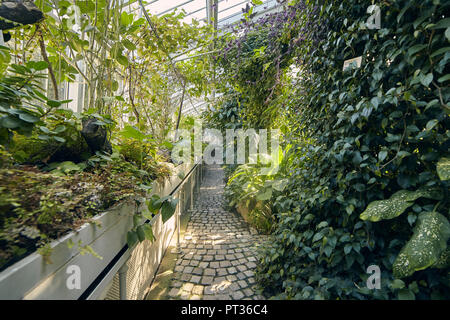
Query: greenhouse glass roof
{"x": 229, "y": 11}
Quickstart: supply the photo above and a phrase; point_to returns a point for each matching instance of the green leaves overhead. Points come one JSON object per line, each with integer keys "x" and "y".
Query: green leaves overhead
{"x": 396, "y": 204}
{"x": 426, "y": 245}
{"x": 443, "y": 169}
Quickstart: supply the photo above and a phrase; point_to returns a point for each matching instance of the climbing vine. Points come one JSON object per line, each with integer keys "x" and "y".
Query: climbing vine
{"x": 367, "y": 149}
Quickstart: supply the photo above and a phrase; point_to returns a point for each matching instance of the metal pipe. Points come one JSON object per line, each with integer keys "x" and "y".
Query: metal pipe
{"x": 178, "y": 227}
{"x": 191, "y": 189}
{"x": 195, "y": 11}
{"x": 123, "y": 281}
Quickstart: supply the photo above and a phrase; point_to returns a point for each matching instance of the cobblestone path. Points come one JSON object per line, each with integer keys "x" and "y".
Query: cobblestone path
{"x": 218, "y": 255}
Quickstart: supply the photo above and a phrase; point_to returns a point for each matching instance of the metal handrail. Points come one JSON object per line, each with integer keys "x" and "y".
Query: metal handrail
{"x": 118, "y": 263}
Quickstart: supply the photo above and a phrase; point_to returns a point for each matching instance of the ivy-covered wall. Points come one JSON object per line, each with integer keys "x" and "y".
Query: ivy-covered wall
{"x": 379, "y": 132}
{"x": 367, "y": 166}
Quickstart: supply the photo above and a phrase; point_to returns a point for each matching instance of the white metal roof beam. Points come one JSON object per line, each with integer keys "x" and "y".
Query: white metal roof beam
{"x": 173, "y": 8}
{"x": 231, "y": 7}
{"x": 192, "y": 12}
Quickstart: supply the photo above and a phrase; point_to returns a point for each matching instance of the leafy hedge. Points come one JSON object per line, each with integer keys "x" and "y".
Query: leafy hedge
{"x": 379, "y": 132}
{"x": 368, "y": 158}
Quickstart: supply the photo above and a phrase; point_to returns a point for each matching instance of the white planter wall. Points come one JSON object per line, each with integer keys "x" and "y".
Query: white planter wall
{"x": 32, "y": 278}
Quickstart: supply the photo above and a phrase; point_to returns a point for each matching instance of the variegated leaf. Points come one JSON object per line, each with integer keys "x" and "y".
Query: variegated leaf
{"x": 426, "y": 245}
{"x": 443, "y": 168}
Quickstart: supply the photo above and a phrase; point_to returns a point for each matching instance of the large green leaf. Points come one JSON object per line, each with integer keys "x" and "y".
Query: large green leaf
{"x": 443, "y": 168}
{"x": 132, "y": 133}
{"x": 148, "y": 231}
{"x": 28, "y": 117}
{"x": 10, "y": 122}
{"x": 132, "y": 238}
{"x": 426, "y": 245}
{"x": 266, "y": 195}
{"x": 168, "y": 209}
{"x": 140, "y": 233}
{"x": 396, "y": 204}
{"x": 390, "y": 208}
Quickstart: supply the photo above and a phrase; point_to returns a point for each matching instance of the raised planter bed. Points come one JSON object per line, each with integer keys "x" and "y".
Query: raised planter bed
{"x": 33, "y": 278}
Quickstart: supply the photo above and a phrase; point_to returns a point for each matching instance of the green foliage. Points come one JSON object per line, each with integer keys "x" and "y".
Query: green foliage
{"x": 166, "y": 205}
{"x": 168, "y": 208}
{"x": 396, "y": 204}
{"x": 129, "y": 79}
{"x": 57, "y": 203}
{"x": 6, "y": 158}
{"x": 250, "y": 191}
{"x": 443, "y": 168}
{"x": 5, "y": 58}
{"x": 65, "y": 167}
{"x": 59, "y": 140}
{"x": 142, "y": 231}
{"x": 141, "y": 150}
{"x": 377, "y": 132}
{"x": 22, "y": 103}
{"x": 427, "y": 244}
{"x": 136, "y": 147}
{"x": 227, "y": 114}
{"x": 256, "y": 58}
{"x": 87, "y": 249}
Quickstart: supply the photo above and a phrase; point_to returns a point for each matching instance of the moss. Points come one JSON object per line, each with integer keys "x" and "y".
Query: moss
{"x": 30, "y": 149}
{"x": 144, "y": 156}
{"x": 33, "y": 150}
{"x": 6, "y": 158}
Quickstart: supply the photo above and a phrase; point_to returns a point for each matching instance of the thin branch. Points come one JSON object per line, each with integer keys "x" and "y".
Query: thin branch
{"x": 399, "y": 146}
{"x": 440, "y": 95}
{"x": 50, "y": 69}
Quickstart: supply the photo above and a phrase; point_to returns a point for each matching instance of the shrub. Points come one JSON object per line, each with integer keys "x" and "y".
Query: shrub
{"x": 250, "y": 192}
